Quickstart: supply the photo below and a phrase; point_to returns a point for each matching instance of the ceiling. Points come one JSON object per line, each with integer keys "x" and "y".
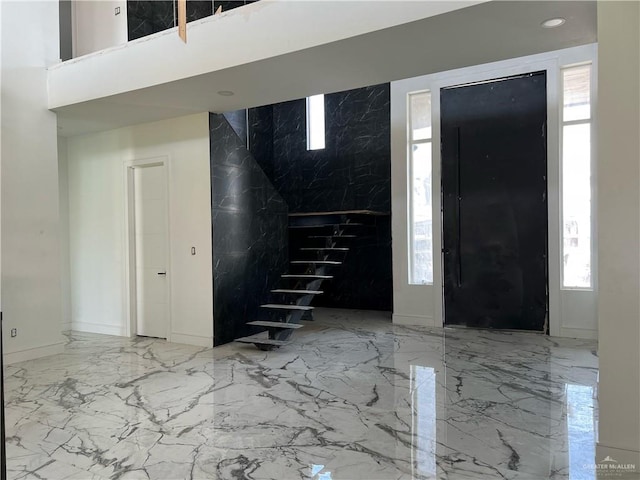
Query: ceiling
{"x": 474, "y": 35}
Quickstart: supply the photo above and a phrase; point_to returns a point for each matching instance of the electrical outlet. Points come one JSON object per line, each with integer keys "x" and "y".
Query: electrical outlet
{"x": 117, "y": 10}
{"x": 14, "y": 332}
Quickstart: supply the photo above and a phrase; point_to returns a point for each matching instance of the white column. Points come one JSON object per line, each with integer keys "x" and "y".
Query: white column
{"x": 619, "y": 231}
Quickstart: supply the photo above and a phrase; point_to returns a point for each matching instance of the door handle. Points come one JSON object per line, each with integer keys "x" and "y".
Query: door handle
{"x": 162, "y": 273}
{"x": 458, "y": 208}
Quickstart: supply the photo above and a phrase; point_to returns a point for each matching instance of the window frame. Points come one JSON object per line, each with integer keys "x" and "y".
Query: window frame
{"x": 410, "y": 206}
{"x": 562, "y": 124}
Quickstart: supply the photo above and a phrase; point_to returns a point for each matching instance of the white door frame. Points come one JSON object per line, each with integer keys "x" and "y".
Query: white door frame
{"x": 551, "y": 68}
{"x": 129, "y": 167}
{"x": 423, "y": 304}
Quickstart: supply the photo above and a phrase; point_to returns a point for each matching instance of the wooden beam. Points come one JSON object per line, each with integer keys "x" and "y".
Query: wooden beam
{"x": 182, "y": 20}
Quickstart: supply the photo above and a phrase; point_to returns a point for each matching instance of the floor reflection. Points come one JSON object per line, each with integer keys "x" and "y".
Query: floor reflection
{"x": 498, "y": 405}
{"x": 581, "y": 432}
{"x": 423, "y": 394}
{"x": 318, "y": 474}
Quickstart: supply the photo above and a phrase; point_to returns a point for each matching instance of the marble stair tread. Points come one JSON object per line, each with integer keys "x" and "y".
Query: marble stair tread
{"x": 317, "y": 262}
{"x": 262, "y": 339}
{"x": 333, "y": 236}
{"x": 284, "y": 306}
{"x": 331, "y": 249}
{"x": 310, "y": 277}
{"x": 264, "y": 323}
{"x": 297, "y": 292}
{"x": 350, "y": 224}
{"x": 337, "y": 212}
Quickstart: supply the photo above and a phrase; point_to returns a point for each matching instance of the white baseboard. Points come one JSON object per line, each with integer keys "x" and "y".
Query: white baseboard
{"x": 192, "y": 340}
{"x": 33, "y": 353}
{"x": 117, "y": 330}
{"x": 66, "y": 326}
{"x": 421, "y": 320}
{"x": 583, "y": 333}
{"x": 624, "y": 464}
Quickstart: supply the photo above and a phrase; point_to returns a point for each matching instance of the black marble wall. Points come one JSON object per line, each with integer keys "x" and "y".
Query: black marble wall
{"x": 231, "y": 4}
{"x": 352, "y": 172}
{"x": 260, "y": 133}
{"x": 145, "y": 17}
{"x": 250, "y": 233}
{"x": 238, "y": 121}
{"x": 365, "y": 280}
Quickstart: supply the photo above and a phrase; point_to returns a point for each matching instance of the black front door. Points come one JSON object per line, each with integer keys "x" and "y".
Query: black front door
{"x": 494, "y": 194}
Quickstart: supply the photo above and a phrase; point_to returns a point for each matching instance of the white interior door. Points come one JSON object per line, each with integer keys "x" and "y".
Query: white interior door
{"x": 151, "y": 239}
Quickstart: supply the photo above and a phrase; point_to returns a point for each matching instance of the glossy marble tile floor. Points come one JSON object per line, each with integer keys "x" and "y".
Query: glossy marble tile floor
{"x": 352, "y": 398}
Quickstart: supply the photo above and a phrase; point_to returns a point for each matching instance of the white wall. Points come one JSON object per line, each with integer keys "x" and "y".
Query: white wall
{"x": 572, "y": 313}
{"x": 96, "y": 27}
{"x": 619, "y": 232}
{"x": 98, "y": 234}
{"x": 29, "y": 168}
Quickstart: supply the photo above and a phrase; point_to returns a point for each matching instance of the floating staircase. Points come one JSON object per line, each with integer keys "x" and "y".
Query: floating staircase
{"x": 321, "y": 242}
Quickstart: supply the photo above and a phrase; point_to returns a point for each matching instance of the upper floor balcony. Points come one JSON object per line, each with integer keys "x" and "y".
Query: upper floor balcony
{"x": 275, "y": 50}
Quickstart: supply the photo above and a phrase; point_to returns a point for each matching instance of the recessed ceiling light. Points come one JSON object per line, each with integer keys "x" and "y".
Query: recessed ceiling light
{"x": 553, "y": 22}
{"x": 226, "y": 93}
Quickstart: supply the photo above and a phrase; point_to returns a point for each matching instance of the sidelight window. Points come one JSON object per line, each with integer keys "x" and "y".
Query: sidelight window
{"x": 315, "y": 122}
{"x": 576, "y": 177}
{"x": 420, "y": 205}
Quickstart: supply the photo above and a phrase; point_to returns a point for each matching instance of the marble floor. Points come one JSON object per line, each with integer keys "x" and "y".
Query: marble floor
{"x": 352, "y": 398}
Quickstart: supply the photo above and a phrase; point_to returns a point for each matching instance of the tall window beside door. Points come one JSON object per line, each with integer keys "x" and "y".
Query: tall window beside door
{"x": 576, "y": 177}
{"x": 420, "y": 205}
